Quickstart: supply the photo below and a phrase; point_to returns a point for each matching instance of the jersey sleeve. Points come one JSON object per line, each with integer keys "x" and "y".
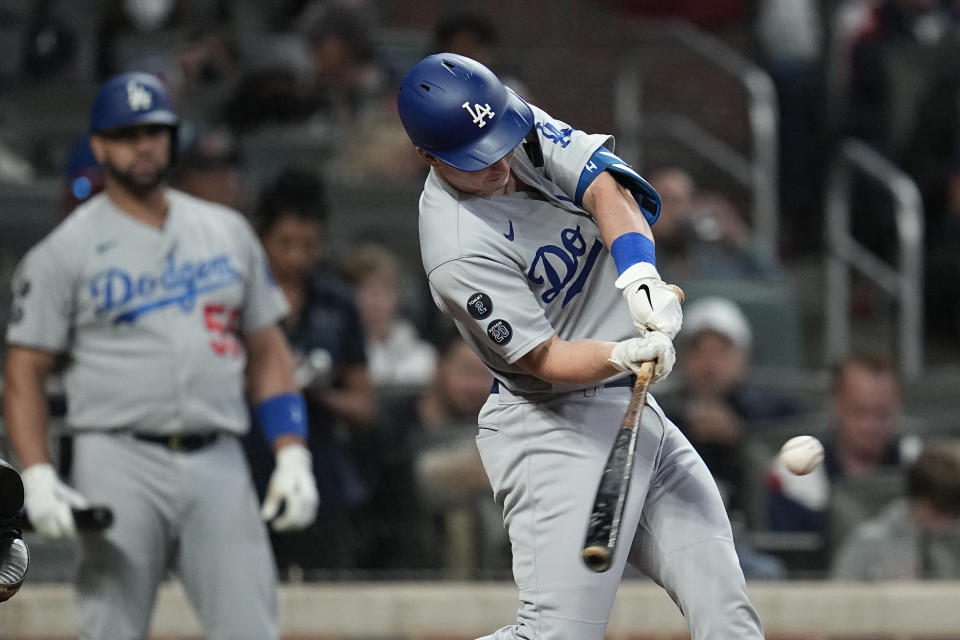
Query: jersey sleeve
{"x": 494, "y": 302}
{"x": 264, "y": 303}
{"x": 43, "y": 301}
{"x": 566, "y": 151}
{"x": 573, "y": 159}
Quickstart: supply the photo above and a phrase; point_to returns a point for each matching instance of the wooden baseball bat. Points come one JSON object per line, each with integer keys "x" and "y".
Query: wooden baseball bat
{"x": 603, "y": 526}
{"x": 95, "y": 518}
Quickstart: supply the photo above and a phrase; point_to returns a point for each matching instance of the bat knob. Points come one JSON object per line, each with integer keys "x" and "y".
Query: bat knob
{"x": 597, "y": 558}
{"x": 677, "y": 291}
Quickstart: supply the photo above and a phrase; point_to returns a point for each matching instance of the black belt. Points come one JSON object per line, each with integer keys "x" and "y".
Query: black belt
{"x": 181, "y": 441}
{"x": 626, "y": 381}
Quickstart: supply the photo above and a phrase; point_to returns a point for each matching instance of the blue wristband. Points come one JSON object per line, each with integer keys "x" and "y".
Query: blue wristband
{"x": 283, "y": 414}
{"x": 631, "y": 248}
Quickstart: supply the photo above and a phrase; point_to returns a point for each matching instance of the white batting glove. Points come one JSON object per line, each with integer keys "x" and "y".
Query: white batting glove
{"x": 629, "y": 354}
{"x": 50, "y": 502}
{"x": 652, "y": 304}
{"x": 292, "y": 485}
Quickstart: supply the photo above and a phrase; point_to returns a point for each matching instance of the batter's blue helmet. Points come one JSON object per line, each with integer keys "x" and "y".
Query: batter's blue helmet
{"x": 131, "y": 99}
{"x": 456, "y": 109}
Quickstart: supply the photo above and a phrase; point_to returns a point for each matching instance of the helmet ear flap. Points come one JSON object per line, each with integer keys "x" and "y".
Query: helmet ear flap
{"x": 531, "y": 144}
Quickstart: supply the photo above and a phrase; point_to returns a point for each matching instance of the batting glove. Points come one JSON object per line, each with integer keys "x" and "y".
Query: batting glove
{"x": 50, "y": 502}
{"x": 652, "y": 304}
{"x": 629, "y": 354}
{"x": 292, "y": 486}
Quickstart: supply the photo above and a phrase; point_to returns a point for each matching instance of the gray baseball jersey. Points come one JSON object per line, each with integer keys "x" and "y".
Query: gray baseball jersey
{"x": 511, "y": 271}
{"x": 151, "y": 318}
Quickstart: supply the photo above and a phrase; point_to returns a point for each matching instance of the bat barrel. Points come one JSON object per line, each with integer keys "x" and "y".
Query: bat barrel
{"x": 597, "y": 558}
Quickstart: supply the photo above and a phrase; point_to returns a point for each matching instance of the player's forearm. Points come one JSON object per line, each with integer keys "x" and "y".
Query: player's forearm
{"x": 25, "y": 413}
{"x": 574, "y": 362}
{"x": 615, "y": 209}
{"x": 269, "y": 365}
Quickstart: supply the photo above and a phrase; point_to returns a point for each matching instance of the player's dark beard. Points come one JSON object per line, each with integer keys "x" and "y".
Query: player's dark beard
{"x": 138, "y": 186}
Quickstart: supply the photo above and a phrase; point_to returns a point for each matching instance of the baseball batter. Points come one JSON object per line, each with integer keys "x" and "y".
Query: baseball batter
{"x": 530, "y": 230}
{"x": 162, "y": 302}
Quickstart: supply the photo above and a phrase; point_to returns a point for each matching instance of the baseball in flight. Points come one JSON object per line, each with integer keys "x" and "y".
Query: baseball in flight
{"x": 801, "y": 454}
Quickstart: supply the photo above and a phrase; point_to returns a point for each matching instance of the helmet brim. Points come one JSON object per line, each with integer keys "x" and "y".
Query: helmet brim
{"x": 510, "y": 130}
{"x": 159, "y": 116}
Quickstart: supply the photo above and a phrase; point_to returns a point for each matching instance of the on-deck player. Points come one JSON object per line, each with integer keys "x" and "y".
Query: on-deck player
{"x": 529, "y": 231}
{"x": 161, "y": 302}
{"x": 14, "y": 554}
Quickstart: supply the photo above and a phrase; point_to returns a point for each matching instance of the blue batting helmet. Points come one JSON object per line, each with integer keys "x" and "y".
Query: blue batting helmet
{"x": 456, "y": 109}
{"x": 131, "y": 99}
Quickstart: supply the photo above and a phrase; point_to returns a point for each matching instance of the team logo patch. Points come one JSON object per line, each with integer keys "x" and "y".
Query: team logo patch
{"x": 500, "y": 331}
{"x": 132, "y": 295}
{"x": 21, "y": 289}
{"x": 478, "y": 113}
{"x": 564, "y": 266}
{"x": 138, "y": 96}
{"x": 554, "y": 134}
{"x": 479, "y": 306}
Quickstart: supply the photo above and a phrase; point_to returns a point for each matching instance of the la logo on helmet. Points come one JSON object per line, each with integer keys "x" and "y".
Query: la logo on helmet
{"x": 478, "y": 113}
{"x": 138, "y": 96}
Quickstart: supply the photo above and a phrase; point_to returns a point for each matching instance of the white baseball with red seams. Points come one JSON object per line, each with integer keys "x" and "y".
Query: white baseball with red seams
{"x": 801, "y": 454}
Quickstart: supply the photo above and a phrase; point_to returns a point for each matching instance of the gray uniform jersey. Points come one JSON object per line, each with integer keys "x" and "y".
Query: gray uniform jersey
{"x": 150, "y": 318}
{"x": 513, "y": 270}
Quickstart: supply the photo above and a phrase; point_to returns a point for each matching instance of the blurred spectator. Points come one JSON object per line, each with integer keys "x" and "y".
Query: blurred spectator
{"x": 717, "y": 406}
{"x": 891, "y": 24}
{"x": 865, "y": 406}
{"x": 449, "y": 474}
{"x": 84, "y": 177}
{"x": 724, "y": 245}
{"x": 350, "y": 77}
{"x": 475, "y": 36}
{"x": 677, "y": 190}
{"x": 905, "y": 88}
{"x": 325, "y": 334}
{"x": 932, "y": 158}
{"x": 396, "y": 353}
{"x": 210, "y": 167}
{"x": 142, "y": 33}
{"x": 51, "y": 49}
{"x": 791, "y": 36}
{"x": 459, "y": 389}
{"x": 469, "y": 34}
{"x": 354, "y": 94}
{"x": 429, "y": 466}
{"x": 897, "y": 544}
{"x": 208, "y": 56}
{"x": 703, "y": 234}
{"x": 273, "y": 91}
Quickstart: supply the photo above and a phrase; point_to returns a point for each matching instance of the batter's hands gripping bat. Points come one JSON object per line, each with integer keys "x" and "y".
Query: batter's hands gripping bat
{"x": 603, "y": 527}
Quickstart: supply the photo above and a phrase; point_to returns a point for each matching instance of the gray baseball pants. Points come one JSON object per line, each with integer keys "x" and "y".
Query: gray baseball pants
{"x": 544, "y": 459}
{"x": 194, "y": 513}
